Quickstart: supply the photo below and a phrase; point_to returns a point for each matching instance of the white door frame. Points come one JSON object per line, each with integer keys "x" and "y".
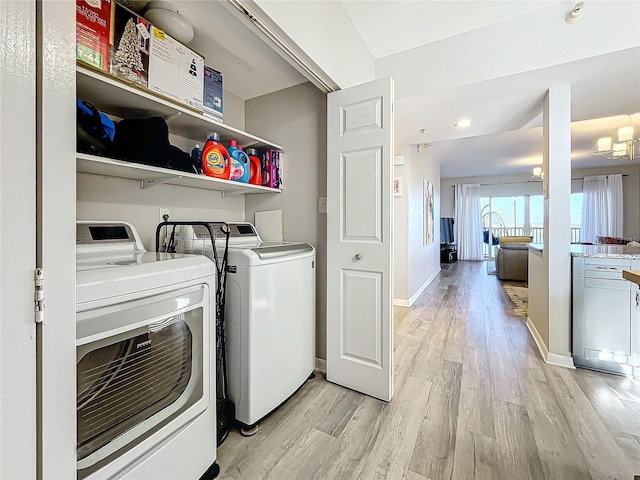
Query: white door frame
{"x": 17, "y": 239}
{"x": 56, "y": 213}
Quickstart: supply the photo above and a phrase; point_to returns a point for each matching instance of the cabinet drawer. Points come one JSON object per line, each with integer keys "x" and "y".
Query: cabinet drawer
{"x": 610, "y": 268}
{"x": 607, "y": 284}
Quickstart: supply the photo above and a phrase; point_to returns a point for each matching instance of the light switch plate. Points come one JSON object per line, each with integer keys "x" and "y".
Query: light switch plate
{"x": 322, "y": 205}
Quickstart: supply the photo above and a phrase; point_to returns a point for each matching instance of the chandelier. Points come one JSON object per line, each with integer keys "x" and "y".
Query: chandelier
{"x": 624, "y": 147}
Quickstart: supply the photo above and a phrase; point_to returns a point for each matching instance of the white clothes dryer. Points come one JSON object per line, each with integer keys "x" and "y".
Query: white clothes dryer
{"x": 146, "y": 401}
{"x": 269, "y": 316}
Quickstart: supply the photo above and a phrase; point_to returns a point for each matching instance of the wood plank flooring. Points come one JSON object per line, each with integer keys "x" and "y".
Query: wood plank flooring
{"x": 473, "y": 400}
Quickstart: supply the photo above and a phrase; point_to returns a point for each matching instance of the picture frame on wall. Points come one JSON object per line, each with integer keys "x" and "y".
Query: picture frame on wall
{"x": 429, "y": 219}
{"x": 397, "y": 187}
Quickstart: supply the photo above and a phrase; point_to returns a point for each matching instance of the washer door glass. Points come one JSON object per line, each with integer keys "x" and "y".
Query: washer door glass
{"x": 122, "y": 384}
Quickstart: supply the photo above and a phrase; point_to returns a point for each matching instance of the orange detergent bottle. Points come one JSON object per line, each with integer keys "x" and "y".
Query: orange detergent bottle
{"x": 216, "y": 161}
{"x": 256, "y": 167}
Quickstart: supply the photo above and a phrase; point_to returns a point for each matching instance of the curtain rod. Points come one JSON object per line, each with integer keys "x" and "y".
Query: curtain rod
{"x": 527, "y": 181}
{"x": 582, "y": 178}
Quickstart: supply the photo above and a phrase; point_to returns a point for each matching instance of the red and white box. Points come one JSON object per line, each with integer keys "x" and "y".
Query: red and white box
{"x": 93, "y": 32}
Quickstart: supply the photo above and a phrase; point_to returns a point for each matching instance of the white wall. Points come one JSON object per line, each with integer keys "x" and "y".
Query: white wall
{"x": 415, "y": 264}
{"x": 401, "y": 233}
{"x": 296, "y": 118}
{"x": 424, "y": 260}
{"x": 233, "y": 110}
{"x": 110, "y": 198}
{"x": 324, "y": 31}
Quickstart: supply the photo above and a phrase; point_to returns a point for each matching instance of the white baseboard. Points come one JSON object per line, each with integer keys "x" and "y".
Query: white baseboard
{"x": 424, "y": 286}
{"x": 560, "y": 360}
{"x": 550, "y": 358}
{"x": 542, "y": 348}
{"x": 321, "y": 365}
{"x": 399, "y": 302}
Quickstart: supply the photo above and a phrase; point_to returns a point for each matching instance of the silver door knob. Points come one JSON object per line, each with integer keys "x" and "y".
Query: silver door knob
{"x": 358, "y": 256}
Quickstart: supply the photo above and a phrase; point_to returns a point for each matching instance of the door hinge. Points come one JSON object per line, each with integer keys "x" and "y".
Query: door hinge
{"x": 38, "y": 279}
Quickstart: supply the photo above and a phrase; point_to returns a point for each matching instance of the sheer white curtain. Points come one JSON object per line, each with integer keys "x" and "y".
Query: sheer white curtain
{"x": 614, "y": 198}
{"x": 595, "y": 208}
{"x": 468, "y": 222}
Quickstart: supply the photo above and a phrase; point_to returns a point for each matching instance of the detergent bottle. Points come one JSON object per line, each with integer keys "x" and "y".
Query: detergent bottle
{"x": 215, "y": 158}
{"x": 240, "y": 163}
{"x": 256, "y": 168}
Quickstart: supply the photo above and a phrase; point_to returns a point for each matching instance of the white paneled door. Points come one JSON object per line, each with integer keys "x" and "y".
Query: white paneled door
{"x": 359, "y": 238}
{"x": 37, "y": 231}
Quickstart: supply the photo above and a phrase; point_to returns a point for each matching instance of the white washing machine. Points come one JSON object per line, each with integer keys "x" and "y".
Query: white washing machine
{"x": 145, "y": 359}
{"x": 269, "y": 315}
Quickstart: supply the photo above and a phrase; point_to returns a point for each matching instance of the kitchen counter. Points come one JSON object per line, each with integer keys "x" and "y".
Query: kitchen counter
{"x": 605, "y": 251}
{"x": 632, "y": 275}
{"x": 602, "y": 251}
{"x": 536, "y": 247}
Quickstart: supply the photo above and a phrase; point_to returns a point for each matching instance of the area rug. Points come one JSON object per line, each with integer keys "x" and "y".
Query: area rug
{"x": 519, "y": 297}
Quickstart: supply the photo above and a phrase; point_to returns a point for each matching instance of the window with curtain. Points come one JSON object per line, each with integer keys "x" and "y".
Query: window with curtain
{"x": 602, "y": 207}
{"x": 468, "y": 222}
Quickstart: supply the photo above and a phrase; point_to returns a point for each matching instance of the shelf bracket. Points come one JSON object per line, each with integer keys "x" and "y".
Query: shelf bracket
{"x": 152, "y": 182}
{"x": 231, "y": 193}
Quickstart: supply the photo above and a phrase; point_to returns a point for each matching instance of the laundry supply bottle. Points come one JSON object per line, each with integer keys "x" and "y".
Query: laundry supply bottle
{"x": 196, "y": 158}
{"x": 240, "y": 163}
{"x": 255, "y": 178}
{"x": 215, "y": 158}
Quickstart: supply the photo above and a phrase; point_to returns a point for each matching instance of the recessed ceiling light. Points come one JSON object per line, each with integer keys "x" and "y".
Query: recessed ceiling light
{"x": 465, "y": 122}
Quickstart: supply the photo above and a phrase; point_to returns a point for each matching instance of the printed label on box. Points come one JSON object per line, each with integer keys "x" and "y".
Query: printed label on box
{"x": 212, "y": 95}
{"x": 175, "y": 70}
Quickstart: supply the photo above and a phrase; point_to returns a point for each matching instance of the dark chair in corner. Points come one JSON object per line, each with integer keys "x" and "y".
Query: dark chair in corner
{"x": 512, "y": 258}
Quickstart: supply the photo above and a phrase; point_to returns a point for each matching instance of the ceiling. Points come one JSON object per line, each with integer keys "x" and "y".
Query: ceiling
{"x": 506, "y": 107}
{"x": 491, "y": 61}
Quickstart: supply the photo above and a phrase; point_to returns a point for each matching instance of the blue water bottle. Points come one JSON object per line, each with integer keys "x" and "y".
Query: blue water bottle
{"x": 196, "y": 158}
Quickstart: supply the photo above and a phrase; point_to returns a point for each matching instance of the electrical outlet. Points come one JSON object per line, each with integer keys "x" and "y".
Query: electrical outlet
{"x": 322, "y": 205}
{"x": 162, "y": 212}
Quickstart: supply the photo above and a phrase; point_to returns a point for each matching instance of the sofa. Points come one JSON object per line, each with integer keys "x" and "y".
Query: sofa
{"x": 512, "y": 258}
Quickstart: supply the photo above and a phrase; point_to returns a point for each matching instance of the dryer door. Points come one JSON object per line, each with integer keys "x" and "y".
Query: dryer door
{"x": 137, "y": 380}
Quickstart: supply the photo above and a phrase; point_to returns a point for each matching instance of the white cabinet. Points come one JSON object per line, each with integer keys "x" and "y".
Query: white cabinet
{"x": 124, "y": 101}
{"x": 606, "y": 315}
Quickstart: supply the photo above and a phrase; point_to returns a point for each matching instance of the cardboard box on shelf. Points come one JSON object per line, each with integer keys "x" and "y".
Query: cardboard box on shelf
{"x": 271, "y": 172}
{"x": 93, "y": 32}
{"x": 212, "y": 98}
{"x": 175, "y": 70}
{"x": 130, "y": 46}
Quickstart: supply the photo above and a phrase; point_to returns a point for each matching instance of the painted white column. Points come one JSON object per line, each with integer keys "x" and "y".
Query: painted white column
{"x": 557, "y": 220}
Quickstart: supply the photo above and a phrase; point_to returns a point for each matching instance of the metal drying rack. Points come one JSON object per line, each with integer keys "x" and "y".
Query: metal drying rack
{"x": 225, "y": 408}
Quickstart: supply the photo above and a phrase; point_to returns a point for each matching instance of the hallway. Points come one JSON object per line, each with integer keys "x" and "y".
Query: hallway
{"x": 473, "y": 399}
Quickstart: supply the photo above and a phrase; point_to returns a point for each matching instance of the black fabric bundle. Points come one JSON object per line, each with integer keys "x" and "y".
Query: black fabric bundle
{"x": 146, "y": 140}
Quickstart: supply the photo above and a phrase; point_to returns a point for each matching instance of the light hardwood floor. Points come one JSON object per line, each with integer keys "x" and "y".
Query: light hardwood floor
{"x": 473, "y": 400}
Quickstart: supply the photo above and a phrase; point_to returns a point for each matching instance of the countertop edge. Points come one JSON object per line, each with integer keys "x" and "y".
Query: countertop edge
{"x": 632, "y": 275}
{"x": 631, "y": 256}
